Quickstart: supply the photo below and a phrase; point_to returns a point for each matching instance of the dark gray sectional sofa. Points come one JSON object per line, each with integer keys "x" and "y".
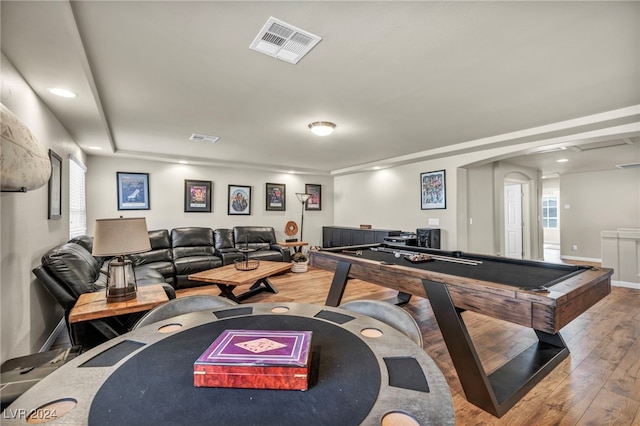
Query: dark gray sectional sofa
{"x": 70, "y": 269}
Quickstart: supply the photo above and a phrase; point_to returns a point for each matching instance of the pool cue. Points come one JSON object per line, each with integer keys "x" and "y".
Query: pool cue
{"x": 434, "y": 256}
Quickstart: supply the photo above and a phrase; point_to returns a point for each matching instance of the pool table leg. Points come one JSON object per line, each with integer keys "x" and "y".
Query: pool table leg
{"x": 400, "y": 299}
{"x": 498, "y": 392}
{"x": 338, "y": 284}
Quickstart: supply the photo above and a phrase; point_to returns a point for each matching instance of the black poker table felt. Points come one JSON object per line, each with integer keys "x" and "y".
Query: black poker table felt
{"x": 155, "y": 387}
{"x": 513, "y": 272}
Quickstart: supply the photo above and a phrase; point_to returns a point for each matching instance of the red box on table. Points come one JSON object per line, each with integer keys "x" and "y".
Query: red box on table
{"x": 257, "y": 359}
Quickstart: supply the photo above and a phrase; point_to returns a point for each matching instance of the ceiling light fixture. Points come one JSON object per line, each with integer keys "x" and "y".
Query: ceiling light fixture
{"x": 62, "y": 92}
{"x": 562, "y": 160}
{"x": 322, "y": 128}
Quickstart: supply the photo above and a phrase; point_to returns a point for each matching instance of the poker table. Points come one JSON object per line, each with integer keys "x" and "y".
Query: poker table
{"x": 542, "y": 296}
{"x": 363, "y": 372}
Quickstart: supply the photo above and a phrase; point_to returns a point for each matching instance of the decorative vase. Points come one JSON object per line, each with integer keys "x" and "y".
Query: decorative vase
{"x": 299, "y": 266}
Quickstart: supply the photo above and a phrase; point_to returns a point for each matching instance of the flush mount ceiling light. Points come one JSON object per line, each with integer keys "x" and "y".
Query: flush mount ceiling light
{"x": 62, "y": 92}
{"x": 322, "y": 128}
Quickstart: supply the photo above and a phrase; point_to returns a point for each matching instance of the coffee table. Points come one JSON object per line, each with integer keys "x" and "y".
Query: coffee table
{"x": 227, "y": 278}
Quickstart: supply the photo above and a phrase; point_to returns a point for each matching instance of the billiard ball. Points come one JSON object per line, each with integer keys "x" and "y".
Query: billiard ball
{"x": 397, "y": 255}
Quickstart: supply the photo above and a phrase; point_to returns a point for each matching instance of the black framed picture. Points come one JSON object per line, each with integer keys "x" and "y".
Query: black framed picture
{"x": 433, "y": 194}
{"x": 55, "y": 187}
{"x": 239, "y": 200}
{"x": 197, "y": 196}
{"x": 276, "y": 199}
{"x": 315, "y": 201}
{"x": 133, "y": 191}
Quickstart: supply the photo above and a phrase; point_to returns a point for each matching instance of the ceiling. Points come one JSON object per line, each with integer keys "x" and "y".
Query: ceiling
{"x": 403, "y": 81}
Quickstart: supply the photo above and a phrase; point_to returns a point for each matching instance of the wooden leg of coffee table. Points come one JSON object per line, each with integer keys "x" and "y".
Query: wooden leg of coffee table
{"x": 261, "y": 285}
{"x": 227, "y": 291}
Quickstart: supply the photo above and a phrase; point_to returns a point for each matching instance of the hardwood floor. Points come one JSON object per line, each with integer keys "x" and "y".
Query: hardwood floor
{"x": 598, "y": 384}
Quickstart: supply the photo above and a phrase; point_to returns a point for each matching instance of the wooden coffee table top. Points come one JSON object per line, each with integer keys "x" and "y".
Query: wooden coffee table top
{"x": 229, "y": 275}
{"x": 90, "y": 306}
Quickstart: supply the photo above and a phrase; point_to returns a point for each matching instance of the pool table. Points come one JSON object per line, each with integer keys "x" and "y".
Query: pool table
{"x": 542, "y": 296}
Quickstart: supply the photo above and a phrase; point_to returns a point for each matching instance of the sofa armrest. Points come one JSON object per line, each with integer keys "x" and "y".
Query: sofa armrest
{"x": 286, "y": 253}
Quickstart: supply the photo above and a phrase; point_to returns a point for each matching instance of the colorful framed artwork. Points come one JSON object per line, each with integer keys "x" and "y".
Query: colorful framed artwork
{"x": 315, "y": 201}
{"x": 276, "y": 197}
{"x": 55, "y": 187}
{"x": 133, "y": 191}
{"x": 239, "y": 200}
{"x": 433, "y": 194}
{"x": 197, "y": 196}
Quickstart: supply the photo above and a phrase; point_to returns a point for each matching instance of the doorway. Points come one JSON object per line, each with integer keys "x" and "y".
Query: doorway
{"x": 513, "y": 222}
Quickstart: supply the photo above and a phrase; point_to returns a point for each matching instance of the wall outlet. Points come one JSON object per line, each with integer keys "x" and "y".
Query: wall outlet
{"x": 574, "y": 247}
{"x": 435, "y": 222}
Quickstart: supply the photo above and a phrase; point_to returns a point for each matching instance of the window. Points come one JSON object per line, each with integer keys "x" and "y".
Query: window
{"x": 550, "y": 212}
{"x": 77, "y": 204}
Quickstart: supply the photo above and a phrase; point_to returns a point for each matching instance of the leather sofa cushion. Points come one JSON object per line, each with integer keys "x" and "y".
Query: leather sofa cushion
{"x": 72, "y": 264}
{"x": 160, "y": 249}
{"x": 192, "y": 241}
{"x": 254, "y": 237}
{"x": 193, "y": 264}
{"x": 223, "y": 239}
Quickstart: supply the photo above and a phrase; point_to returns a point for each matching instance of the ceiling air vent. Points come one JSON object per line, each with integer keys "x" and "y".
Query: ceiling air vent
{"x": 283, "y": 41}
{"x": 204, "y": 138}
{"x": 628, "y": 166}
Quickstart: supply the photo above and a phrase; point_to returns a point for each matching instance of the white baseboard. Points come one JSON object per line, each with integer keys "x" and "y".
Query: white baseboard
{"x": 582, "y": 259}
{"x": 627, "y": 284}
{"x": 62, "y": 326}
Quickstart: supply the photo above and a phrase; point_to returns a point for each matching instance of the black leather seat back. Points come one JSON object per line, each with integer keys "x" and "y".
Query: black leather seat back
{"x": 192, "y": 241}
{"x": 223, "y": 239}
{"x": 254, "y": 237}
{"x": 72, "y": 264}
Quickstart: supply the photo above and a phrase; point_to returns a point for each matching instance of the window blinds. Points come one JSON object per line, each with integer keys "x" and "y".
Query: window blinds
{"x": 77, "y": 204}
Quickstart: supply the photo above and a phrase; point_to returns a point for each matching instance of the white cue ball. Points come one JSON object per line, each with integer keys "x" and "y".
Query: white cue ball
{"x": 397, "y": 255}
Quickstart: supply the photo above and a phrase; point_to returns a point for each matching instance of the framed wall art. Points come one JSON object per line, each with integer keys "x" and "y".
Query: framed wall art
{"x": 55, "y": 186}
{"x": 433, "y": 194}
{"x": 239, "y": 200}
{"x": 276, "y": 196}
{"x": 197, "y": 196}
{"x": 315, "y": 201}
{"x": 133, "y": 191}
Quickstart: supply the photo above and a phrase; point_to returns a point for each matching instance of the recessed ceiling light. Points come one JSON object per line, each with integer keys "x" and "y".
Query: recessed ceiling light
{"x": 562, "y": 160}
{"x": 62, "y": 92}
{"x": 322, "y": 128}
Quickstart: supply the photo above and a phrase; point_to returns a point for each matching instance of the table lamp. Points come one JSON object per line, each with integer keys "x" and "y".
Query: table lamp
{"x": 303, "y": 199}
{"x": 118, "y": 238}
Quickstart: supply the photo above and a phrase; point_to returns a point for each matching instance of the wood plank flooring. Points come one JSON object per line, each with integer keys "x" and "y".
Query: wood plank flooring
{"x": 598, "y": 384}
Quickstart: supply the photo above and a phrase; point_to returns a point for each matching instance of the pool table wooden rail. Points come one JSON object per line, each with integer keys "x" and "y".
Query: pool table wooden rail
{"x": 547, "y": 312}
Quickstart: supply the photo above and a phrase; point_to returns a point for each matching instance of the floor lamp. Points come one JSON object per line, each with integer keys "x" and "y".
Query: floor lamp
{"x": 303, "y": 199}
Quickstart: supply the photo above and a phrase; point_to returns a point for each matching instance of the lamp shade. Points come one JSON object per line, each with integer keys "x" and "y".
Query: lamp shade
{"x": 117, "y": 237}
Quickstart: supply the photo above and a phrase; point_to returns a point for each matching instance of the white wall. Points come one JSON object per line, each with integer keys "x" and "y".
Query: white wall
{"x": 390, "y": 198}
{"x": 595, "y": 202}
{"x": 166, "y": 190}
{"x": 27, "y": 312}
